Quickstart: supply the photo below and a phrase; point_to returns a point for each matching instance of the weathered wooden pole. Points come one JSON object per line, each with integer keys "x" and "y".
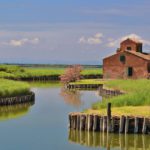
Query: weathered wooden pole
{"x": 144, "y": 126}
{"x": 136, "y": 125}
{"x": 109, "y": 117}
{"x": 122, "y": 124}
{"x": 127, "y": 125}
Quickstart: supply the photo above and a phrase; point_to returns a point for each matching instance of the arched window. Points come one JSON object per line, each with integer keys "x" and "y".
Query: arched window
{"x": 122, "y": 58}
{"x": 129, "y": 48}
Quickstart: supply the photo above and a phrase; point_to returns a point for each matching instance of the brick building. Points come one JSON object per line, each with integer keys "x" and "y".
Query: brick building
{"x": 129, "y": 61}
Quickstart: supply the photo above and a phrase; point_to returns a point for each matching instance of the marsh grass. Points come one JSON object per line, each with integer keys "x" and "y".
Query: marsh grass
{"x": 125, "y": 110}
{"x": 10, "y": 88}
{"x": 138, "y": 94}
{"x": 88, "y": 81}
{"x": 16, "y": 72}
{"x": 92, "y": 71}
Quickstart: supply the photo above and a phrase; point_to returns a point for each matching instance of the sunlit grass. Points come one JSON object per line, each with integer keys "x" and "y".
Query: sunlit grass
{"x": 92, "y": 71}
{"x": 13, "y": 88}
{"x": 126, "y": 110}
{"x": 137, "y": 93}
{"x": 89, "y": 81}
{"x": 16, "y": 72}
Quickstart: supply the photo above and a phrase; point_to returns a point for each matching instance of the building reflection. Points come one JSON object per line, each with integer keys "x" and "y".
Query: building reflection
{"x": 14, "y": 111}
{"x": 71, "y": 97}
{"x": 110, "y": 141}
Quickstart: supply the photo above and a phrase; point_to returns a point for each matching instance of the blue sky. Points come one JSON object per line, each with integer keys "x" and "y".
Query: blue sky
{"x": 69, "y": 31}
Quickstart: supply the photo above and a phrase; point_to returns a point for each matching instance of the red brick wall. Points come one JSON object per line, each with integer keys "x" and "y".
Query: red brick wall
{"x": 128, "y": 43}
{"x": 114, "y": 68}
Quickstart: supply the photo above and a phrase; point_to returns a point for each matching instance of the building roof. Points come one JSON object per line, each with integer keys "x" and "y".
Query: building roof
{"x": 133, "y": 40}
{"x": 142, "y": 55}
{"x": 138, "y": 54}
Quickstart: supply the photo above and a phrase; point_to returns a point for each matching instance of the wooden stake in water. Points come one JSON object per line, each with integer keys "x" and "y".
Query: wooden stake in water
{"x": 109, "y": 117}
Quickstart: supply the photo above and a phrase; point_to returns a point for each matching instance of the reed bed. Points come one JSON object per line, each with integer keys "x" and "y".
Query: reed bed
{"x": 17, "y": 72}
{"x": 88, "y": 81}
{"x": 137, "y": 94}
{"x": 10, "y": 88}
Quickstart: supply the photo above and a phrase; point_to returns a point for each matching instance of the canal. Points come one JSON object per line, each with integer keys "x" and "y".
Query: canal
{"x": 44, "y": 124}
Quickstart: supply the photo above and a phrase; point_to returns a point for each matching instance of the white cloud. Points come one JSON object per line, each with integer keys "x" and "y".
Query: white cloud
{"x": 22, "y": 42}
{"x": 93, "y": 40}
{"x": 135, "y": 37}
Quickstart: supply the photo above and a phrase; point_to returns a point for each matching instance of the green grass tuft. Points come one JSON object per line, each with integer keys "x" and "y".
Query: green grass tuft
{"x": 10, "y": 88}
{"x": 138, "y": 93}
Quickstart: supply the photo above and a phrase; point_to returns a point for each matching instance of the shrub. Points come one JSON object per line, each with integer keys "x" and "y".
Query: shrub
{"x": 72, "y": 74}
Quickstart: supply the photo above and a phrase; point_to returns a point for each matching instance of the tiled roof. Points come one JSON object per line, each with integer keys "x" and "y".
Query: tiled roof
{"x": 142, "y": 55}
{"x": 133, "y": 40}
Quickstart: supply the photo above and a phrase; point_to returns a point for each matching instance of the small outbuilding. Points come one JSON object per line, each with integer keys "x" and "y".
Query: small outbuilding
{"x": 129, "y": 61}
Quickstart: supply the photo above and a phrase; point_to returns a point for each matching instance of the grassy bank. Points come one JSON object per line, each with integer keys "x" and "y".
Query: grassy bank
{"x": 125, "y": 110}
{"x": 88, "y": 81}
{"x": 135, "y": 101}
{"x": 10, "y": 88}
{"x": 137, "y": 93}
{"x": 16, "y": 72}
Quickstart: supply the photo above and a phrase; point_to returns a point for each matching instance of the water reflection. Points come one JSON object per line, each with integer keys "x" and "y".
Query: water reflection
{"x": 14, "y": 111}
{"x": 71, "y": 97}
{"x": 45, "y": 84}
{"x": 110, "y": 141}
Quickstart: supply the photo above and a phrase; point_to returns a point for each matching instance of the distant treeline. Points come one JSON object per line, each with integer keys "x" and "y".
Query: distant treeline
{"x": 52, "y": 65}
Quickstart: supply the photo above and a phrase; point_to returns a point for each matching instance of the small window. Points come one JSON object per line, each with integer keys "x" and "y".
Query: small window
{"x": 129, "y": 71}
{"x": 139, "y": 48}
{"x": 122, "y": 58}
{"x": 129, "y": 48}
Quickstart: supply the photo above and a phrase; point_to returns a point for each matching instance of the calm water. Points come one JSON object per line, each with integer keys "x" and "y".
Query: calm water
{"x": 43, "y": 125}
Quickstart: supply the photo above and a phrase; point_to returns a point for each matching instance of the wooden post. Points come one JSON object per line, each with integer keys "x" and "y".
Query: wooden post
{"x": 90, "y": 122}
{"x": 109, "y": 117}
{"x": 82, "y": 122}
{"x": 144, "y": 126}
{"x": 127, "y": 125}
{"x": 69, "y": 121}
{"x": 101, "y": 123}
{"x": 78, "y": 122}
{"x": 96, "y": 123}
{"x": 104, "y": 123}
{"x": 122, "y": 124}
{"x": 136, "y": 125}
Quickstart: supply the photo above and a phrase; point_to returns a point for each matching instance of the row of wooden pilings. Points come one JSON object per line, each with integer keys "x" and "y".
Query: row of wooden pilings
{"x": 102, "y": 91}
{"x": 123, "y": 124}
{"x": 109, "y": 124}
{"x": 109, "y": 92}
{"x": 83, "y": 86}
{"x": 17, "y": 99}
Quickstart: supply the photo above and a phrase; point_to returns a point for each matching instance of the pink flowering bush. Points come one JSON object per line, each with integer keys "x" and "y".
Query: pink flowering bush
{"x": 72, "y": 73}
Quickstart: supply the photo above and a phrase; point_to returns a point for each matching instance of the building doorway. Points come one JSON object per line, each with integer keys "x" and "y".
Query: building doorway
{"x": 148, "y": 67}
{"x": 130, "y": 71}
